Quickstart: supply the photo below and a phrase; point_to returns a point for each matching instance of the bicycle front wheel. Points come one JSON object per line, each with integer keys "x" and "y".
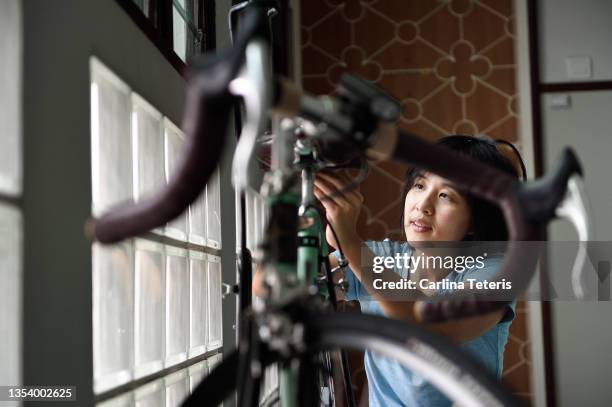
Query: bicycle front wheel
{"x": 439, "y": 361}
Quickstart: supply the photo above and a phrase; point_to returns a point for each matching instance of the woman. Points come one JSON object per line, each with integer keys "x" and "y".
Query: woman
{"x": 434, "y": 211}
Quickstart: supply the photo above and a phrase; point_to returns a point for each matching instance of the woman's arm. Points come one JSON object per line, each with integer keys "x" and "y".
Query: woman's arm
{"x": 342, "y": 212}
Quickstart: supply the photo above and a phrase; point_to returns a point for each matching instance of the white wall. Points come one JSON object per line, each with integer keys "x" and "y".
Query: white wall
{"x": 570, "y": 28}
{"x": 581, "y": 332}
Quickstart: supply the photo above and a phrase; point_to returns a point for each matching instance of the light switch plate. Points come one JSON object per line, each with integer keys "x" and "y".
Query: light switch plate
{"x": 560, "y": 101}
{"x": 579, "y": 67}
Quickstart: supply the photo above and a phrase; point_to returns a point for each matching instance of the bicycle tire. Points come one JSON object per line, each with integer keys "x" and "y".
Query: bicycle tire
{"x": 439, "y": 361}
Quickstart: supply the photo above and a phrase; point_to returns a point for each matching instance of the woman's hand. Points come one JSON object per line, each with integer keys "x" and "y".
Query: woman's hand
{"x": 342, "y": 209}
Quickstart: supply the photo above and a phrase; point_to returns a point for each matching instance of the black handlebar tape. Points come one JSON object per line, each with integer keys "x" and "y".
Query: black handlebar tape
{"x": 205, "y": 123}
{"x": 495, "y": 186}
{"x": 441, "y": 310}
{"x": 262, "y": 27}
{"x": 359, "y": 91}
{"x": 540, "y": 198}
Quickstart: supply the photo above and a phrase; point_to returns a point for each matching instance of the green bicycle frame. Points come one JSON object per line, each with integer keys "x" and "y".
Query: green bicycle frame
{"x": 311, "y": 248}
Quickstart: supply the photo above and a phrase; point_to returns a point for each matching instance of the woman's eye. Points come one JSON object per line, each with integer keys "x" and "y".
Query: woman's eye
{"x": 444, "y": 195}
{"x": 418, "y": 186}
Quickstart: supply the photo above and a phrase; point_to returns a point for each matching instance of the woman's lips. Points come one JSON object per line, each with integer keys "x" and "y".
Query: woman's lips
{"x": 419, "y": 227}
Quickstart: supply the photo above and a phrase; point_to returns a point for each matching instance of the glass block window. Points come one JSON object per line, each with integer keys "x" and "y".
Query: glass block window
{"x": 125, "y": 400}
{"x": 150, "y": 395}
{"x": 215, "y": 321}
{"x": 256, "y": 218}
{"x": 213, "y": 361}
{"x": 148, "y": 149}
{"x": 198, "y": 313}
{"x": 111, "y": 145}
{"x": 10, "y": 97}
{"x": 149, "y": 307}
{"x": 148, "y": 145}
{"x": 155, "y": 304}
{"x": 177, "y": 305}
{"x": 169, "y": 391}
{"x": 213, "y": 203}
{"x": 197, "y": 220}
{"x": 113, "y": 300}
{"x": 11, "y": 179}
{"x": 10, "y": 293}
{"x": 174, "y": 141}
{"x": 197, "y": 373}
{"x": 177, "y": 388}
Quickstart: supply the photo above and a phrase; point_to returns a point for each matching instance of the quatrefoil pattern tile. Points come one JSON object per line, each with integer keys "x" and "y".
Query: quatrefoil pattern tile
{"x": 450, "y": 63}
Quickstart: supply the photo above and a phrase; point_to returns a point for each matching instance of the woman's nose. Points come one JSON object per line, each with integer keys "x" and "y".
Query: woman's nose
{"x": 425, "y": 205}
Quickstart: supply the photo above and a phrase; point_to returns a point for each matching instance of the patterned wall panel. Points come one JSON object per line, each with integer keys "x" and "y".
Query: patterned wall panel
{"x": 451, "y": 65}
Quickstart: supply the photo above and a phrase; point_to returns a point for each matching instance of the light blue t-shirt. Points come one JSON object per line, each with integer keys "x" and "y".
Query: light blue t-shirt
{"x": 390, "y": 383}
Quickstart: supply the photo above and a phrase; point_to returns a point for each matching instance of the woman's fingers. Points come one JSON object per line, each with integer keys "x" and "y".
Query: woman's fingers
{"x": 342, "y": 207}
{"x": 338, "y": 185}
{"x": 321, "y": 194}
{"x": 330, "y": 205}
{"x": 330, "y": 194}
{"x": 339, "y": 181}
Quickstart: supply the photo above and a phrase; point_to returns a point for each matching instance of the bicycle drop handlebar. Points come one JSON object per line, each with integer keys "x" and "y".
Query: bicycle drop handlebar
{"x": 206, "y": 119}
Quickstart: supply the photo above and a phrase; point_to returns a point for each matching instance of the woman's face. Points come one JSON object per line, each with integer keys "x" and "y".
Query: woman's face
{"x": 434, "y": 210}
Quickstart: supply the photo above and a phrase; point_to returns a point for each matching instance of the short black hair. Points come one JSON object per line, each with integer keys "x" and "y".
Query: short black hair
{"x": 488, "y": 223}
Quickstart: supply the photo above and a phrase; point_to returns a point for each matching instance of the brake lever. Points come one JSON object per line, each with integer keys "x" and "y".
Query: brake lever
{"x": 254, "y": 86}
{"x": 575, "y": 207}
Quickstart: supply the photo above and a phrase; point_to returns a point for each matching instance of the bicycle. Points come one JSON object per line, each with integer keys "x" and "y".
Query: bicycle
{"x": 294, "y": 324}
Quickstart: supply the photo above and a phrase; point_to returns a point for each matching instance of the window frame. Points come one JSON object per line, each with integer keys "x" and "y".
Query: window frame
{"x": 158, "y": 27}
